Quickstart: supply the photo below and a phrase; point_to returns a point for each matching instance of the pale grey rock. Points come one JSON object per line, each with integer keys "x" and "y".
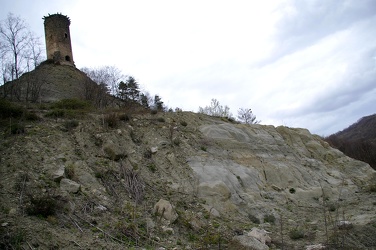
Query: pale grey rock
{"x": 69, "y": 186}
{"x": 165, "y": 209}
{"x": 261, "y": 235}
{"x": 343, "y": 224}
{"x": 212, "y": 211}
{"x": 114, "y": 151}
{"x": 168, "y": 230}
{"x": 154, "y": 150}
{"x": 58, "y": 173}
{"x": 247, "y": 243}
{"x": 150, "y": 223}
{"x": 315, "y": 247}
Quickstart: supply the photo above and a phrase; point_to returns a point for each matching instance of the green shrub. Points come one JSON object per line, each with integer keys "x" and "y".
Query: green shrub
{"x": 372, "y": 188}
{"x": 111, "y": 120}
{"x": 30, "y": 116}
{"x": 153, "y": 111}
{"x": 332, "y": 207}
{"x": 183, "y": 123}
{"x": 176, "y": 141}
{"x": 152, "y": 168}
{"x": 56, "y": 113}
{"x": 17, "y": 128}
{"x": 42, "y": 206}
{"x": 148, "y": 153}
{"x": 11, "y": 238}
{"x": 71, "y": 124}
{"x": 124, "y": 117}
{"x": 8, "y": 109}
{"x": 296, "y": 234}
{"x": 269, "y": 218}
{"x": 161, "y": 119}
{"x": 71, "y": 104}
{"x": 254, "y": 219}
{"x": 70, "y": 172}
{"x": 292, "y": 190}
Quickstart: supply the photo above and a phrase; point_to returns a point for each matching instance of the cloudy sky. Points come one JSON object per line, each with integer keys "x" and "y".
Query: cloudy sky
{"x": 309, "y": 64}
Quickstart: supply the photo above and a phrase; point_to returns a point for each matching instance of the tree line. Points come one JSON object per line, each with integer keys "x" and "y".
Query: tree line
{"x": 360, "y": 149}
{"x": 125, "y": 88}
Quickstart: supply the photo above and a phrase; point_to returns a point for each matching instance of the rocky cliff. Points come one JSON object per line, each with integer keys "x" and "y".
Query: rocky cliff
{"x": 180, "y": 181}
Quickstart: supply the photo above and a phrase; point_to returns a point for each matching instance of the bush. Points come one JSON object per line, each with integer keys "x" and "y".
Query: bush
{"x": 8, "y": 109}
{"x": 71, "y": 104}
{"x": 152, "y": 168}
{"x": 161, "y": 119}
{"x": 42, "y": 206}
{"x": 11, "y": 238}
{"x": 71, "y": 124}
{"x": 17, "y": 128}
{"x": 254, "y": 219}
{"x": 292, "y": 190}
{"x": 183, "y": 123}
{"x": 111, "y": 120}
{"x": 124, "y": 117}
{"x": 30, "y": 116}
{"x": 153, "y": 111}
{"x": 148, "y": 153}
{"x": 57, "y": 113}
{"x": 269, "y": 218}
{"x": 296, "y": 234}
{"x": 70, "y": 172}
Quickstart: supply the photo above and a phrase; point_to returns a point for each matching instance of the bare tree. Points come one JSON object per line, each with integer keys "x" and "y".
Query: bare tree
{"x": 216, "y": 109}
{"x": 14, "y": 36}
{"x": 33, "y": 53}
{"x": 246, "y": 116}
{"x": 20, "y": 50}
{"x": 108, "y": 75}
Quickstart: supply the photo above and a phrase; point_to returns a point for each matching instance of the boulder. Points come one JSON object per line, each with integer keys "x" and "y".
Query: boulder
{"x": 165, "y": 209}
{"x": 69, "y": 186}
{"x": 58, "y": 173}
{"x": 154, "y": 150}
{"x": 315, "y": 247}
{"x": 113, "y": 151}
{"x": 247, "y": 243}
{"x": 261, "y": 235}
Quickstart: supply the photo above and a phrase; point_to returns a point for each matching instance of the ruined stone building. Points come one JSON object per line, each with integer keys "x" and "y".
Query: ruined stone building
{"x": 58, "y": 39}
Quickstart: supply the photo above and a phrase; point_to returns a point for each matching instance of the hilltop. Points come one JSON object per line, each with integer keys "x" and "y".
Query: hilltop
{"x": 128, "y": 178}
{"x": 48, "y": 82}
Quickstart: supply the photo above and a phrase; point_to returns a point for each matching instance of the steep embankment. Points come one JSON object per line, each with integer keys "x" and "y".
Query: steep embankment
{"x": 222, "y": 180}
{"x": 47, "y": 83}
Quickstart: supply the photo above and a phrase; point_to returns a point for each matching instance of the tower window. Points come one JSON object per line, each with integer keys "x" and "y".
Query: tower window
{"x": 66, "y": 35}
{"x": 67, "y": 58}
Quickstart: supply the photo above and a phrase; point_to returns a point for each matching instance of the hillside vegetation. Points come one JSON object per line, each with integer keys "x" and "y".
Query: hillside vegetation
{"x": 358, "y": 141}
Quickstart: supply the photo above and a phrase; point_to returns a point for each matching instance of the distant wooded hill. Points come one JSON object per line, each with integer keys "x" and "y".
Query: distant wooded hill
{"x": 357, "y": 141}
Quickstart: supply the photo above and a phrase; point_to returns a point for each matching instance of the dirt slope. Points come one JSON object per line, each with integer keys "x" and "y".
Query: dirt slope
{"x": 85, "y": 185}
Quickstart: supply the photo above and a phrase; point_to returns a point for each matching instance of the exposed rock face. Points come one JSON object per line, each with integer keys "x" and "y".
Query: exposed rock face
{"x": 248, "y": 166}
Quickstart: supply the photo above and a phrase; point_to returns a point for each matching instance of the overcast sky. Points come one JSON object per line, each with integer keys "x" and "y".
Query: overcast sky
{"x": 302, "y": 63}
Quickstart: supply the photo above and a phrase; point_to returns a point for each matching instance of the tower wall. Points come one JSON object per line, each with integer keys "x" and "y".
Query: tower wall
{"x": 58, "y": 39}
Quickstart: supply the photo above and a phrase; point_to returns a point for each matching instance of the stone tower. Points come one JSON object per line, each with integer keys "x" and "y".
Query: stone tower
{"x": 58, "y": 40}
